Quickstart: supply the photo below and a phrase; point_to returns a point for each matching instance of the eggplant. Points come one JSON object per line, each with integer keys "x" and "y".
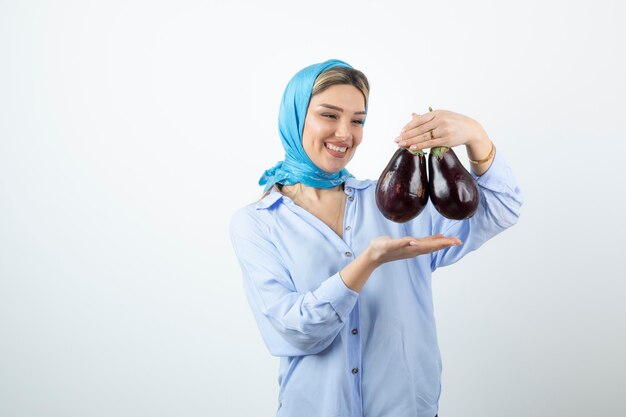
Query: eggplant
{"x": 453, "y": 190}
{"x": 402, "y": 189}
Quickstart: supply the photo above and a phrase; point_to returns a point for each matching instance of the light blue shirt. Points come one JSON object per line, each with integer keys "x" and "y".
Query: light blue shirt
{"x": 343, "y": 353}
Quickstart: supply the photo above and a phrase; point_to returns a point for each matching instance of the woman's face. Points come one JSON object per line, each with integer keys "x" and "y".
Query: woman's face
{"x": 333, "y": 127}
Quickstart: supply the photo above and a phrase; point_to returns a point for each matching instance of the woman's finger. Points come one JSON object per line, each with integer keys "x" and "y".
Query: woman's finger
{"x": 417, "y": 120}
{"x": 417, "y": 131}
{"x": 405, "y": 143}
{"x": 431, "y": 237}
{"x": 426, "y": 142}
{"x": 435, "y": 244}
{"x": 438, "y": 238}
{"x": 425, "y": 145}
{"x": 441, "y": 240}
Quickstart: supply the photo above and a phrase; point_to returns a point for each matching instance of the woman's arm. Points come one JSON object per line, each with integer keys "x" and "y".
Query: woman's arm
{"x": 292, "y": 323}
{"x": 501, "y": 198}
{"x": 499, "y": 209}
{"x": 295, "y": 323}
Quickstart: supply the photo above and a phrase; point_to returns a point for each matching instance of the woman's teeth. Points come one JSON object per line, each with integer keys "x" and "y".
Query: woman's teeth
{"x": 336, "y": 148}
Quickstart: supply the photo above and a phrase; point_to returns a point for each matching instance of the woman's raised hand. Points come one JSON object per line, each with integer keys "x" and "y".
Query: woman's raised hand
{"x": 440, "y": 128}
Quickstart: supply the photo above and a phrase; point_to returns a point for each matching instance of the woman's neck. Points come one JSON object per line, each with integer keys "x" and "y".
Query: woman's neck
{"x": 311, "y": 194}
{"x": 327, "y": 204}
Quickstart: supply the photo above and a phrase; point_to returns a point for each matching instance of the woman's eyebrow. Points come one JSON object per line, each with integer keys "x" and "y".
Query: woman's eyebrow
{"x": 339, "y": 109}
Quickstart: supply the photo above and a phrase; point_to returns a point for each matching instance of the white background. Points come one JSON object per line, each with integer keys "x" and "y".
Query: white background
{"x": 131, "y": 130}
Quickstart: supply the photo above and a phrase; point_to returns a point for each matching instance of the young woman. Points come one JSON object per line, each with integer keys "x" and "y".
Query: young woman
{"x": 341, "y": 294}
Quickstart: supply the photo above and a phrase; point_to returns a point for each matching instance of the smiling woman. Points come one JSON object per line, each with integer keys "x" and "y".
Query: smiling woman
{"x": 355, "y": 330}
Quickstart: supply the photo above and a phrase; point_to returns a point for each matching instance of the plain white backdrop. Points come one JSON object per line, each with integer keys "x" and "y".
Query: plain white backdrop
{"x": 131, "y": 130}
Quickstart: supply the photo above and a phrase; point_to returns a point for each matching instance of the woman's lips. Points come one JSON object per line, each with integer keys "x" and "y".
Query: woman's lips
{"x": 336, "y": 151}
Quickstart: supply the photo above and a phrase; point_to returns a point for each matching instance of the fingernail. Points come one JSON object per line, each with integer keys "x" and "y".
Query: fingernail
{"x": 412, "y": 243}
{"x": 396, "y": 140}
{"x": 413, "y": 147}
{"x": 402, "y": 143}
{"x": 413, "y": 114}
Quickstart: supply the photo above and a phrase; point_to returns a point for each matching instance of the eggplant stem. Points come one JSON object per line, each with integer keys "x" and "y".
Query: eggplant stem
{"x": 416, "y": 152}
{"x": 438, "y": 151}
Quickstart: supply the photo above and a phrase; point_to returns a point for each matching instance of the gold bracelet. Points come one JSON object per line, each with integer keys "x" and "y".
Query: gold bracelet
{"x": 488, "y": 157}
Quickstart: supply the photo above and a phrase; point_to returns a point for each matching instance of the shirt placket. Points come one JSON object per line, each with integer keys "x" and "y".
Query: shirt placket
{"x": 354, "y": 335}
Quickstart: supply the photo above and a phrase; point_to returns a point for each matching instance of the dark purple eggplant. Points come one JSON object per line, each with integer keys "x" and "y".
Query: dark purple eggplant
{"x": 402, "y": 189}
{"x": 453, "y": 190}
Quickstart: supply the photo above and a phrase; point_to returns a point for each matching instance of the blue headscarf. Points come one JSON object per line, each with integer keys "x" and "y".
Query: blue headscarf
{"x": 297, "y": 166}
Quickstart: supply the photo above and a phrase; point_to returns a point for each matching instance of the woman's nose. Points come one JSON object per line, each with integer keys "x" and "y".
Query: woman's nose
{"x": 344, "y": 131}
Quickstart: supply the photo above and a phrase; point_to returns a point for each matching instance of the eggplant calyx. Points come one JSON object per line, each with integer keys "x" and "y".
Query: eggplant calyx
{"x": 438, "y": 151}
{"x": 418, "y": 152}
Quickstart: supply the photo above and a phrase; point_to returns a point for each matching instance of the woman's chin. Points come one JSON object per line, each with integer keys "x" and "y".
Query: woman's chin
{"x": 331, "y": 169}
{"x": 333, "y": 166}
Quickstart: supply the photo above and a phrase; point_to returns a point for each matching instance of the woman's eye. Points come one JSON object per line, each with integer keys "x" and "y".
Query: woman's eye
{"x": 331, "y": 116}
{"x": 359, "y": 122}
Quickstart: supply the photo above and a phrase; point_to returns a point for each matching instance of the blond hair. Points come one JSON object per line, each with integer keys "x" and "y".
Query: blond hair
{"x": 342, "y": 76}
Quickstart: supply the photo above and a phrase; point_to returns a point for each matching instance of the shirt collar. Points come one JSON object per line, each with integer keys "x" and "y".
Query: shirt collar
{"x": 358, "y": 184}
{"x": 269, "y": 200}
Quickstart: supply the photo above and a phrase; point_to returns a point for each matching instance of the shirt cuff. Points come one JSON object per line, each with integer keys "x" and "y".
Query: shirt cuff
{"x": 340, "y": 297}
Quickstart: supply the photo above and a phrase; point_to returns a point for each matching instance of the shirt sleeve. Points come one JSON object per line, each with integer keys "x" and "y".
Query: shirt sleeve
{"x": 499, "y": 209}
{"x": 291, "y": 323}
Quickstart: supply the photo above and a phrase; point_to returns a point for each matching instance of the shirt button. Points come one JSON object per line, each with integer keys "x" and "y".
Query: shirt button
{"x": 349, "y": 190}
{"x": 355, "y": 370}
{"x": 354, "y": 331}
{"x": 350, "y": 198}
{"x": 348, "y": 254}
{"x": 348, "y": 227}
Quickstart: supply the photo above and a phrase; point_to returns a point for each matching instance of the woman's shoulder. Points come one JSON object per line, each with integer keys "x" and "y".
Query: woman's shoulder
{"x": 247, "y": 221}
{"x": 255, "y": 216}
